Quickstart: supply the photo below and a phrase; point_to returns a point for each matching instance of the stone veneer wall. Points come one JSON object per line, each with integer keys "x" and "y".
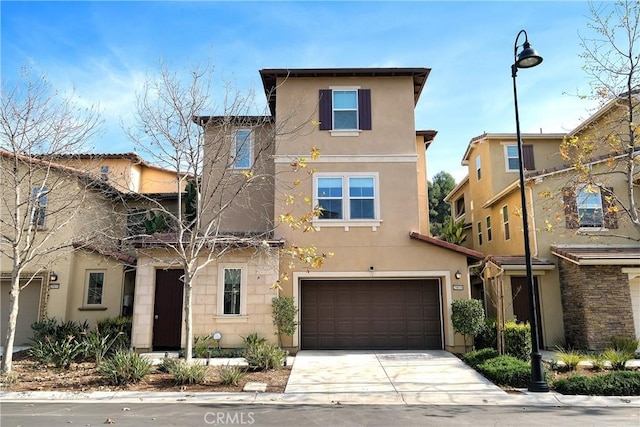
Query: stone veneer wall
{"x": 596, "y": 303}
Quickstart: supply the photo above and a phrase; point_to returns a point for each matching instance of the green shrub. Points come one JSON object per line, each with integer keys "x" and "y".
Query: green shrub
{"x": 474, "y": 358}
{"x": 125, "y": 367}
{"x": 264, "y": 356}
{"x": 60, "y": 352}
{"x": 616, "y": 383}
{"x": 97, "y": 346}
{"x": 617, "y": 358}
{"x": 467, "y": 318}
{"x": 284, "y": 316}
{"x": 252, "y": 339}
{"x": 185, "y": 372}
{"x": 230, "y": 374}
{"x": 57, "y": 331}
{"x": 167, "y": 364}
{"x": 570, "y": 358}
{"x": 119, "y": 326}
{"x": 506, "y": 371}
{"x": 203, "y": 344}
{"x": 488, "y": 336}
{"x": 517, "y": 340}
{"x": 625, "y": 344}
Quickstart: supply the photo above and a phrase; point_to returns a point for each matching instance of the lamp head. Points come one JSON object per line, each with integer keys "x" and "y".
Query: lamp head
{"x": 528, "y": 57}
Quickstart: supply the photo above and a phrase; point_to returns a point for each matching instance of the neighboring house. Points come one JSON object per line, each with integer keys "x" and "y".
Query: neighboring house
{"x": 586, "y": 257}
{"x": 85, "y": 280}
{"x": 389, "y": 285}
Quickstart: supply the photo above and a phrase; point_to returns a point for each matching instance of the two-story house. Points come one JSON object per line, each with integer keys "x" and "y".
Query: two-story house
{"x": 75, "y": 270}
{"x": 388, "y": 284}
{"x": 585, "y": 261}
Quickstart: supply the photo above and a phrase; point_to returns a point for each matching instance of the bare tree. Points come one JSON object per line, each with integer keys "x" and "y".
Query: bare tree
{"x": 223, "y": 157}
{"x": 612, "y": 62}
{"x": 40, "y": 199}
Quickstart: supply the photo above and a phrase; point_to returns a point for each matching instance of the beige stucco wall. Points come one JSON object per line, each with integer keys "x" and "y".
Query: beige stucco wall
{"x": 261, "y": 272}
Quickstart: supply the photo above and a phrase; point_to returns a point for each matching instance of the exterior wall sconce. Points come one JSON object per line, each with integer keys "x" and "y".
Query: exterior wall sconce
{"x": 458, "y": 275}
{"x": 53, "y": 277}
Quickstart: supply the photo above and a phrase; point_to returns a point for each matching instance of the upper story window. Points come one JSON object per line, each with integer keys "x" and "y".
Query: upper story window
{"x": 95, "y": 287}
{"x": 479, "y": 233}
{"x": 459, "y": 206}
{"x": 39, "y": 198}
{"x": 345, "y": 109}
{"x": 489, "y": 234}
{"x": 512, "y": 160}
{"x": 590, "y": 206}
{"x": 104, "y": 172}
{"x": 505, "y": 222}
{"x": 242, "y": 149}
{"x": 478, "y": 168}
{"x": 347, "y": 199}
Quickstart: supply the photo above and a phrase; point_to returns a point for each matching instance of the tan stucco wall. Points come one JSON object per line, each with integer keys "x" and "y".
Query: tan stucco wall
{"x": 261, "y": 274}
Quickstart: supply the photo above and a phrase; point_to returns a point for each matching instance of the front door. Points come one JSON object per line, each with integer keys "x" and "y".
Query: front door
{"x": 520, "y": 295}
{"x": 167, "y": 311}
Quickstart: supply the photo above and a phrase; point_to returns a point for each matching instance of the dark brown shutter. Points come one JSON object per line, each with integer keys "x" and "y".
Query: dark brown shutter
{"x": 527, "y": 157}
{"x": 608, "y": 203}
{"x": 325, "y": 109}
{"x": 570, "y": 208}
{"x": 364, "y": 109}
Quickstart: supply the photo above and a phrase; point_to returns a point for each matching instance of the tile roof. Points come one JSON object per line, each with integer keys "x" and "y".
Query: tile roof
{"x": 598, "y": 254}
{"x": 470, "y": 253}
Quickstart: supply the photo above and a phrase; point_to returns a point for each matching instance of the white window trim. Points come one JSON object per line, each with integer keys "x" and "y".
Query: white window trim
{"x": 85, "y": 301}
{"x": 507, "y": 222}
{"x": 243, "y": 289}
{"x": 506, "y": 158}
{"x": 459, "y": 215}
{"x": 374, "y": 223}
{"x": 234, "y": 151}
{"x": 345, "y": 132}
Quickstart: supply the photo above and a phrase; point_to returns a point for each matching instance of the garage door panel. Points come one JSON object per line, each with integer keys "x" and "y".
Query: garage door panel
{"x": 371, "y": 314}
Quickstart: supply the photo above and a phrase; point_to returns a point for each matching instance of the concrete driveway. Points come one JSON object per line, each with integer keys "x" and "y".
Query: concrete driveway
{"x": 393, "y": 372}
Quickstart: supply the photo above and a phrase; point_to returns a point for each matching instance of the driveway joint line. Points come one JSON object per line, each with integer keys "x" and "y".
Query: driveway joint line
{"x": 387, "y": 374}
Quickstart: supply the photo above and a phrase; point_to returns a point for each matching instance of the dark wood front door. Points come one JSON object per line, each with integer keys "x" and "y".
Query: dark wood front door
{"x": 520, "y": 296}
{"x": 167, "y": 311}
{"x": 371, "y": 314}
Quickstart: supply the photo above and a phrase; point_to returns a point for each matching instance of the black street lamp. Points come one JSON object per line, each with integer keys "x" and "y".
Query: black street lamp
{"x": 526, "y": 59}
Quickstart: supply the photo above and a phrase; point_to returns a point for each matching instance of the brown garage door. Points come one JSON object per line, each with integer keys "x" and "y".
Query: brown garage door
{"x": 371, "y": 314}
{"x": 29, "y": 307}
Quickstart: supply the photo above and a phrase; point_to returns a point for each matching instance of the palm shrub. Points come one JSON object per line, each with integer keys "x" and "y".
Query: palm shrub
{"x": 202, "y": 344}
{"x": 57, "y": 330}
{"x": 185, "y": 372}
{"x": 453, "y": 231}
{"x": 125, "y": 367}
{"x": 252, "y": 339}
{"x": 467, "y": 317}
{"x": 119, "y": 326}
{"x": 264, "y": 356}
{"x": 230, "y": 374}
{"x": 97, "y": 346}
{"x": 60, "y": 352}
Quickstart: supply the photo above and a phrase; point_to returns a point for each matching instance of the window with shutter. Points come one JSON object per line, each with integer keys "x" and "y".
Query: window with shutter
{"x": 609, "y": 207}
{"x": 344, "y": 109}
{"x": 589, "y": 206}
{"x": 511, "y": 158}
{"x": 570, "y": 208}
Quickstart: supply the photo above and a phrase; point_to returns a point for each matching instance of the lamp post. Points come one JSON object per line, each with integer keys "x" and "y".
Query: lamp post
{"x": 528, "y": 58}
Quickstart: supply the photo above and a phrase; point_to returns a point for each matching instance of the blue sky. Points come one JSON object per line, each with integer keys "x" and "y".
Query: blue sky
{"x": 104, "y": 49}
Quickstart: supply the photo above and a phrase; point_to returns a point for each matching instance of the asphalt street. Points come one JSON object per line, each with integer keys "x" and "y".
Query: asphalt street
{"x": 51, "y": 414}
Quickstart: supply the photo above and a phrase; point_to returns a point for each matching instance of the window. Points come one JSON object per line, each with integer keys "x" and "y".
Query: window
{"x": 95, "y": 286}
{"x": 590, "y": 206}
{"x": 505, "y": 222}
{"x": 511, "y": 157}
{"x": 104, "y": 173}
{"x": 347, "y": 196}
{"x": 459, "y": 206}
{"x": 489, "y": 236}
{"x": 39, "y": 196}
{"x": 232, "y": 290}
{"x": 478, "y": 168}
{"x": 479, "y": 233}
{"x": 345, "y": 109}
{"x": 242, "y": 149}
